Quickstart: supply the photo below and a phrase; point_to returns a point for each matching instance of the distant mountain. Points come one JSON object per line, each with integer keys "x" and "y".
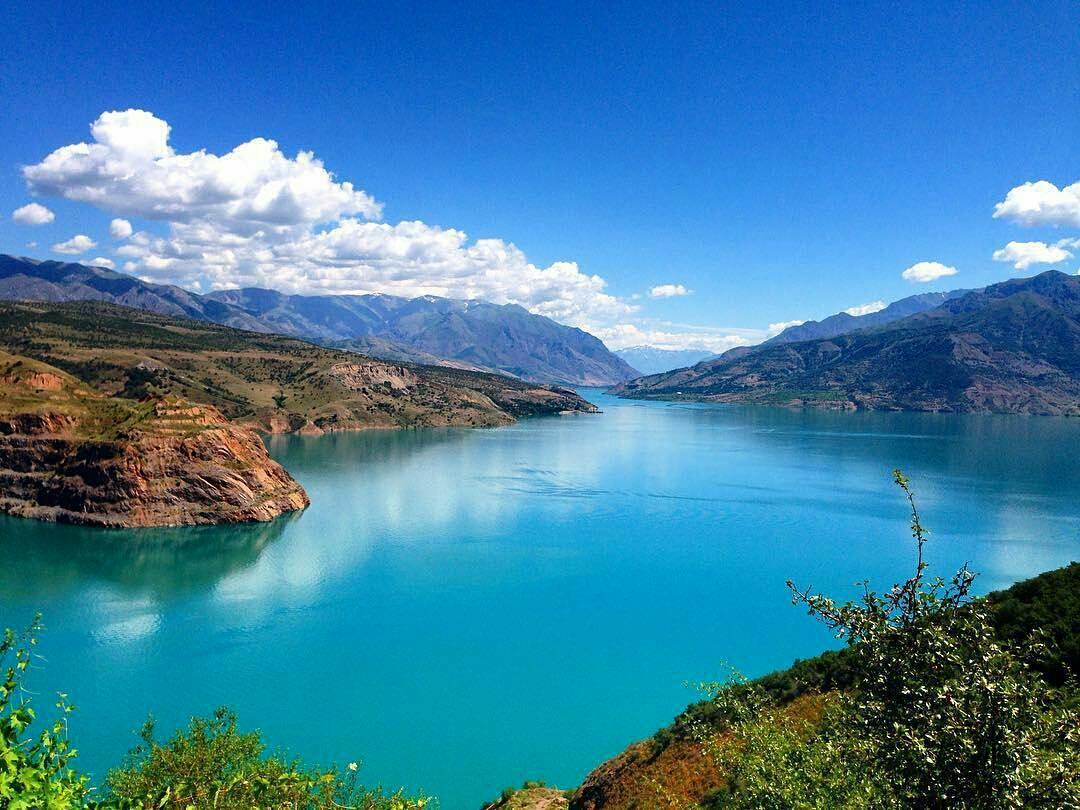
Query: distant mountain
{"x": 650, "y": 360}
{"x": 1012, "y": 347}
{"x": 841, "y": 323}
{"x": 472, "y": 335}
{"x": 31, "y": 280}
{"x": 469, "y": 334}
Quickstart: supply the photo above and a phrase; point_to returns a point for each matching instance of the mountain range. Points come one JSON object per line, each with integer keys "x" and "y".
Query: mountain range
{"x": 1012, "y": 347}
{"x": 471, "y": 335}
{"x": 651, "y": 360}
{"x": 844, "y": 322}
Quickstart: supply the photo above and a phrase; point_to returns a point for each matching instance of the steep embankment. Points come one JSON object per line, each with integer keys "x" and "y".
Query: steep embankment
{"x": 69, "y": 454}
{"x": 269, "y": 382}
{"x": 1011, "y": 348}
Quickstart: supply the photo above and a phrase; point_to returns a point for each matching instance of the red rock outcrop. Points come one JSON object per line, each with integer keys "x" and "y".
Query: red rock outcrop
{"x": 182, "y": 465}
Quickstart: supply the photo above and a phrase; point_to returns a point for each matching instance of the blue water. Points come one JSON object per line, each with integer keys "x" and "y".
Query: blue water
{"x": 464, "y": 609}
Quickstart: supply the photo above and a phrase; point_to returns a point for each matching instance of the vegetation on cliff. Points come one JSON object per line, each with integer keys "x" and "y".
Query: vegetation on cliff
{"x": 943, "y": 713}
{"x": 118, "y": 417}
{"x": 265, "y": 381}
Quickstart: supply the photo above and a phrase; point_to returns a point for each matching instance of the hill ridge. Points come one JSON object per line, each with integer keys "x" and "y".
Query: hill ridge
{"x": 1012, "y": 347}
{"x": 472, "y": 334}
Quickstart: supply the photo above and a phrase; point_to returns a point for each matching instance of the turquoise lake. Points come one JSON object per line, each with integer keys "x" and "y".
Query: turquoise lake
{"x": 464, "y": 609}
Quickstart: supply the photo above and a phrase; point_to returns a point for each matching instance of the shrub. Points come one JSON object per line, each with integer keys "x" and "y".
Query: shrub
{"x": 942, "y": 714}
{"x": 211, "y": 764}
{"x": 35, "y": 768}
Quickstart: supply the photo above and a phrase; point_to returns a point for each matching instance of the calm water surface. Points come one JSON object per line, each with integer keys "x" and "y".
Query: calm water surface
{"x": 462, "y": 610}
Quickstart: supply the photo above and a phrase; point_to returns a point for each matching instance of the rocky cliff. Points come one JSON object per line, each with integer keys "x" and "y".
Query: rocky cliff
{"x": 68, "y": 454}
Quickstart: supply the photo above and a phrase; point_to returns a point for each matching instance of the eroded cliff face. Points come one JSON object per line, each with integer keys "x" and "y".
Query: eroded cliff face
{"x": 77, "y": 458}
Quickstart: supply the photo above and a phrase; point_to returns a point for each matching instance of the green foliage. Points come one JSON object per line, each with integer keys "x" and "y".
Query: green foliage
{"x": 533, "y": 793}
{"x": 211, "y": 764}
{"x": 775, "y": 758}
{"x": 944, "y": 713}
{"x": 1050, "y": 604}
{"x": 35, "y": 770}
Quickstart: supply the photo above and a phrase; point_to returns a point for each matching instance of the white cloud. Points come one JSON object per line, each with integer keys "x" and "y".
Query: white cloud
{"x": 669, "y": 291}
{"x": 256, "y": 217}
{"x": 120, "y": 229}
{"x": 33, "y": 214}
{"x": 1041, "y": 203}
{"x": 866, "y": 309}
{"x": 101, "y": 261}
{"x": 625, "y": 335}
{"x": 80, "y": 243}
{"x": 923, "y": 272}
{"x": 1024, "y": 254}
{"x": 130, "y": 168}
{"x": 777, "y": 328}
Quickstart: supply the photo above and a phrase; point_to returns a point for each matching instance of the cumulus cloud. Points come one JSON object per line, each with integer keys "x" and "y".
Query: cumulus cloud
{"x": 669, "y": 291}
{"x": 1024, "y": 254}
{"x": 1041, "y": 203}
{"x": 33, "y": 214}
{"x": 256, "y": 217}
{"x": 80, "y": 243}
{"x": 130, "y": 168}
{"x": 866, "y": 309}
{"x": 101, "y": 261}
{"x": 924, "y": 272}
{"x": 120, "y": 229}
{"x": 625, "y": 335}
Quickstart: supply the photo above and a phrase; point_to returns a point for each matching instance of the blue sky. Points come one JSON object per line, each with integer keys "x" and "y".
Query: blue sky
{"x": 778, "y": 161}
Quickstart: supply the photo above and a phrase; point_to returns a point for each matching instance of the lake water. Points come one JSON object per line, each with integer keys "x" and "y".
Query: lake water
{"x": 464, "y": 609}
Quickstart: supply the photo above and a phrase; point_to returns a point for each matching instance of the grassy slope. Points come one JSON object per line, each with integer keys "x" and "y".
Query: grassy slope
{"x": 131, "y": 353}
{"x": 31, "y": 387}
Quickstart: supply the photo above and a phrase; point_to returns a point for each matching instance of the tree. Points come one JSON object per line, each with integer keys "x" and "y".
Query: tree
{"x": 943, "y": 714}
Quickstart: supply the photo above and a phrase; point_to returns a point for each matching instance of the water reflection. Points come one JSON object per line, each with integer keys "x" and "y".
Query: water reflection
{"x": 42, "y": 561}
{"x": 440, "y": 488}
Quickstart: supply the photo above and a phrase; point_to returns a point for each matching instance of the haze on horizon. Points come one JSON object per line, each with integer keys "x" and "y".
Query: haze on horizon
{"x": 699, "y": 180}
